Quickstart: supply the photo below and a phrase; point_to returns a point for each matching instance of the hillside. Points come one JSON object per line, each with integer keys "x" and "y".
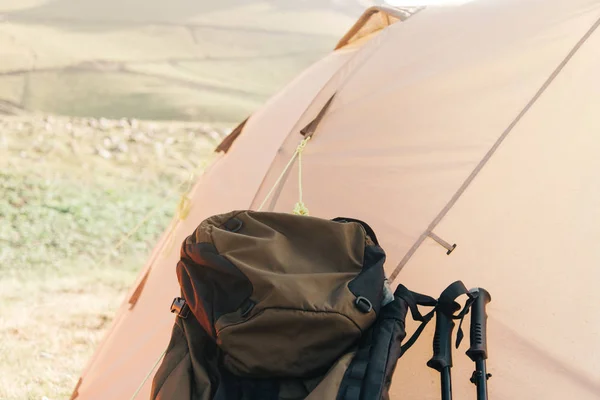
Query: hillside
{"x": 184, "y": 60}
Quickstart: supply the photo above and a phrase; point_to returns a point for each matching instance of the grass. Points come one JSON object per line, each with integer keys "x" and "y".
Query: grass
{"x": 51, "y": 323}
{"x": 46, "y": 221}
{"x": 61, "y": 279}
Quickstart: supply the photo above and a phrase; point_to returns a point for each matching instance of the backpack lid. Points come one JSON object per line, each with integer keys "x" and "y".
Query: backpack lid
{"x": 282, "y": 294}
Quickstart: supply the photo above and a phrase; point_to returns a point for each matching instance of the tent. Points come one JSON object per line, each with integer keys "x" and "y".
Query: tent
{"x": 476, "y": 126}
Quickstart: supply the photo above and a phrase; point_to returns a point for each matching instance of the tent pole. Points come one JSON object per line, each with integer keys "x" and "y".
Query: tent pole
{"x": 478, "y": 350}
{"x": 442, "y": 350}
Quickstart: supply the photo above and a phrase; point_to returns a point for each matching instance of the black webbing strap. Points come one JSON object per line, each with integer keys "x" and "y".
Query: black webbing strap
{"x": 448, "y": 305}
{"x": 445, "y": 304}
{"x": 353, "y": 384}
{"x": 414, "y": 300}
{"x": 353, "y": 379}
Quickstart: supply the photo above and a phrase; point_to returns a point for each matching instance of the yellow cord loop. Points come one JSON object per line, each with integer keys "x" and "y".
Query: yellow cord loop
{"x": 299, "y": 208}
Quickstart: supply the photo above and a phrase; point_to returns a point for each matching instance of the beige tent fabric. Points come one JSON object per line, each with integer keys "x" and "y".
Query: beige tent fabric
{"x": 533, "y": 243}
{"x": 404, "y": 131}
{"x": 416, "y": 110}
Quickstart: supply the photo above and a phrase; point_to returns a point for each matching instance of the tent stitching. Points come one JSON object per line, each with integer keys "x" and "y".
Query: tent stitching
{"x": 491, "y": 151}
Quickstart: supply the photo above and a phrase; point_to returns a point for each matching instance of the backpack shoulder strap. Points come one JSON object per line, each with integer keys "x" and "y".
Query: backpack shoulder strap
{"x": 370, "y": 372}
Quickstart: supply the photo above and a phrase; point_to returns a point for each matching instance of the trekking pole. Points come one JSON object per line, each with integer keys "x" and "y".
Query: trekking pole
{"x": 442, "y": 348}
{"x": 478, "y": 350}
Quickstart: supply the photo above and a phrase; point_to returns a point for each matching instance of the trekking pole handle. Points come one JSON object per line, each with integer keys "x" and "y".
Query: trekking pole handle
{"x": 442, "y": 341}
{"x": 478, "y": 331}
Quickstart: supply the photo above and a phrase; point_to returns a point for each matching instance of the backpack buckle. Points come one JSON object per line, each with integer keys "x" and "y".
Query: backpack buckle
{"x": 180, "y": 307}
{"x": 363, "y": 304}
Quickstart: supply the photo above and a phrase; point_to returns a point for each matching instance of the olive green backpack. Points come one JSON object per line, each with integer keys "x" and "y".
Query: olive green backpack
{"x": 279, "y": 306}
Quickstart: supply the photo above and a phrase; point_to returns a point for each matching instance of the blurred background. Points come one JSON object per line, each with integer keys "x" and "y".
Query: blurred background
{"x": 109, "y": 109}
{"x": 182, "y": 60}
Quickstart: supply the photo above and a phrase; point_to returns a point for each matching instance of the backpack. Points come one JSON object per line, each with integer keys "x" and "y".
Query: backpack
{"x": 278, "y": 306}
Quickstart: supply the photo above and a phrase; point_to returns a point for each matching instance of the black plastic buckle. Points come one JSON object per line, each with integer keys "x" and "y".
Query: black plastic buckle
{"x": 180, "y": 307}
{"x": 477, "y": 375}
{"x": 363, "y": 304}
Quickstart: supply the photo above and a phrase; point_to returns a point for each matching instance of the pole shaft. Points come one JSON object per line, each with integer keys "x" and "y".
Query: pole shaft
{"x": 446, "y": 384}
{"x": 481, "y": 380}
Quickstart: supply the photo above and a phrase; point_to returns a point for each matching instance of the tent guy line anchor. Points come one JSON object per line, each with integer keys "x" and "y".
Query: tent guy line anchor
{"x": 442, "y": 242}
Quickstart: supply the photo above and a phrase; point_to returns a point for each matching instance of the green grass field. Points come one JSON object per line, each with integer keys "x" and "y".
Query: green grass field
{"x": 60, "y": 281}
{"x": 72, "y": 189}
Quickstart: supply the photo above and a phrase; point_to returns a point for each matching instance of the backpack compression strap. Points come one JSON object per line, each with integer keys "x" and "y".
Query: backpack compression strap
{"x": 370, "y": 372}
{"x": 369, "y": 375}
{"x": 413, "y": 300}
{"x": 445, "y": 304}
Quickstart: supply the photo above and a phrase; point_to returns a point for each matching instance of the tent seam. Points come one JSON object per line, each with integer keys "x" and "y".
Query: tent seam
{"x": 296, "y": 128}
{"x": 492, "y": 150}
